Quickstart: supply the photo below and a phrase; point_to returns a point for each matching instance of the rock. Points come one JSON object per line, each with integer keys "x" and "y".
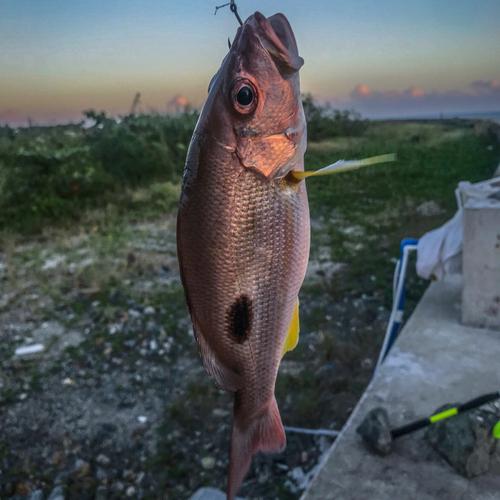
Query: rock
{"x": 220, "y": 413}
{"x": 367, "y": 364}
{"x": 150, "y": 310}
{"x": 208, "y": 462}
{"x": 118, "y": 487}
{"x": 35, "y": 495}
{"x": 209, "y": 494}
{"x": 103, "y": 459}
{"x": 130, "y": 491}
{"x": 100, "y": 474}
{"x": 101, "y": 493}
{"x": 80, "y": 469}
{"x": 327, "y": 371}
{"x": 376, "y": 432}
{"x": 429, "y": 208}
{"x": 29, "y": 350}
{"x": 57, "y": 493}
{"x": 318, "y": 270}
{"x": 53, "y": 262}
{"x": 466, "y": 441}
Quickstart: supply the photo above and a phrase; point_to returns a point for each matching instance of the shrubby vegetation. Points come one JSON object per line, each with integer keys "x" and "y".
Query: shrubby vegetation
{"x": 132, "y": 166}
{"x": 55, "y": 173}
{"x": 325, "y": 122}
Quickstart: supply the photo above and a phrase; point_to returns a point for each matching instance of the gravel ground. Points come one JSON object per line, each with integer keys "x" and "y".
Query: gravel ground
{"x": 117, "y": 404}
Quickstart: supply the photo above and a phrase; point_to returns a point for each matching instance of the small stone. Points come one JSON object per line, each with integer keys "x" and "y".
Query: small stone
{"x": 101, "y": 493}
{"x": 36, "y": 495}
{"x": 208, "y": 494}
{"x": 429, "y": 208}
{"x": 327, "y": 371}
{"x": 153, "y": 345}
{"x": 53, "y": 262}
{"x": 128, "y": 475}
{"x": 142, "y": 419}
{"x": 133, "y": 313}
{"x": 57, "y": 493}
{"x": 367, "y": 364}
{"x": 103, "y": 459}
{"x": 149, "y": 310}
{"x": 208, "y": 462}
{"x": 81, "y": 468}
{"x": 118, "y": 487}
{"x": 68, "y": 381}
{"x": 101, "y": 474}
{"x": 376, "y": 432}
{"x": 130, "y": 491}
{"x": 219, "y": 412}
{"x": 297, "y": 474}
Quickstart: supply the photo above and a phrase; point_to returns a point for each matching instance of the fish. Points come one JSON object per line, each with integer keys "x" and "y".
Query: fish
{"x": 243, "y": 229}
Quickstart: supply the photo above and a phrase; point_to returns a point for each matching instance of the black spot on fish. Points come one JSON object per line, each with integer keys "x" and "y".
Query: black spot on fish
{"x": 239, "y": 318}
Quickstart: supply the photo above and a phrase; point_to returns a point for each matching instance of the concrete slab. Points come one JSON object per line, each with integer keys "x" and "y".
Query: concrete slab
{"x": 435, "y": 360}
{"x": 481, "y": 264}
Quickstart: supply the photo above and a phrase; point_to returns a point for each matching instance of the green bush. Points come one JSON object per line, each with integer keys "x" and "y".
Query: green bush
{"x": 49, "y": 176}
{"x": 324, "y": 122}
{"x": 139, "y": 149}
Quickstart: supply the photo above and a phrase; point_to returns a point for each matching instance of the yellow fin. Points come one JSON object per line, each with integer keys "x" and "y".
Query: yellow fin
{"x": 292, "y": 338}
{"x": 344, "y": 166}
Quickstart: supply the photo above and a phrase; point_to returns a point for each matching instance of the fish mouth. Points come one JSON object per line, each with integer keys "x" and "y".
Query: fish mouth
{"x": 276, "y": 36}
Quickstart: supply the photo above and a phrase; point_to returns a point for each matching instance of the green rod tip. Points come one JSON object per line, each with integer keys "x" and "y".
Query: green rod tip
{"x": 496, "y": 430}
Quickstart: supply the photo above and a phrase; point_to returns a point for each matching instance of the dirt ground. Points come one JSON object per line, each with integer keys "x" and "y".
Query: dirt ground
{"x": 117, "y": 403}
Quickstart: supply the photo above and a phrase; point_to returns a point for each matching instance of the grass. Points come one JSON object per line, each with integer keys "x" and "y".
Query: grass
{"x": 380, "y": 202}
{"x": 358, "y": 220}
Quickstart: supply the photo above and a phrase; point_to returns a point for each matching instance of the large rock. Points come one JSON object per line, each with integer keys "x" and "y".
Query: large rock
{"x": 466, "y": 441}
{"x": 376, "y": 431}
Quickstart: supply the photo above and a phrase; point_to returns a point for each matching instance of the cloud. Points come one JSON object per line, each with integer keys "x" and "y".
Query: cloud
{"x": 12, "y": 116}
{"x": 361, "y": 90}
{"x": 480, "y": 95}
{"x": 485, "y": 87}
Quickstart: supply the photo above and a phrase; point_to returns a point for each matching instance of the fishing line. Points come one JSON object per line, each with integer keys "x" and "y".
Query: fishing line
{"x": 314, "y": 432}
{"x": 234, "y": 10}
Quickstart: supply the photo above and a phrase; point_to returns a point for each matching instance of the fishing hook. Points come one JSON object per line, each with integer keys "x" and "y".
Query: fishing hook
{"x": 234, "y": 10}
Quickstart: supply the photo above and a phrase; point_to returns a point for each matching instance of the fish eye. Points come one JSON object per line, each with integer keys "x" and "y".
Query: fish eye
{"x": 245, "y": 96}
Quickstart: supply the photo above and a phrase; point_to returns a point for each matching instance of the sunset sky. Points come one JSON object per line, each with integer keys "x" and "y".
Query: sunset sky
{"x": 381, "y": 57}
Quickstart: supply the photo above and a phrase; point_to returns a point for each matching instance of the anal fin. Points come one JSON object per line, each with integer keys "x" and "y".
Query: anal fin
{"x": 224, "y": 377}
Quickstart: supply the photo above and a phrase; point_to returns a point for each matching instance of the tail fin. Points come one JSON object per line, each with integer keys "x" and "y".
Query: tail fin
{"x": 265, "y": 433}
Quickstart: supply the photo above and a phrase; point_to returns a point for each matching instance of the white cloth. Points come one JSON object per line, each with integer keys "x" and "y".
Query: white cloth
{"x": 439, "y": 252}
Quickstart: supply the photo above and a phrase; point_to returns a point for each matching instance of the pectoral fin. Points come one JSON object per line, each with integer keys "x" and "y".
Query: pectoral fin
{"x": 292, "y": 338}
{"x": 343, "y": 166}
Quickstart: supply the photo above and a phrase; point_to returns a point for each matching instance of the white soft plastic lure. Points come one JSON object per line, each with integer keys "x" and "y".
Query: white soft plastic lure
{"x": 344, "y": 166}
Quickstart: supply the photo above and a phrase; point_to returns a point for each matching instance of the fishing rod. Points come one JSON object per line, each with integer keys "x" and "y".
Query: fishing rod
{"x": 448, "y": 413}
{"x": 377, "y": 423}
